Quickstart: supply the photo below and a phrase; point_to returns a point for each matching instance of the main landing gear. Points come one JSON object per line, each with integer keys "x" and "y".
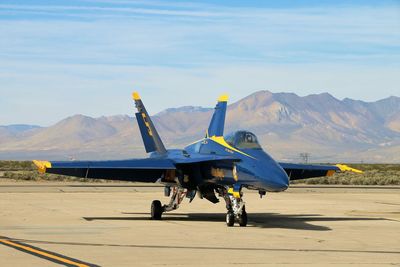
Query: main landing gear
{"x": 236, "y": 208}
{"x": 233, "y": 199}
{"x": 178, "y": 194}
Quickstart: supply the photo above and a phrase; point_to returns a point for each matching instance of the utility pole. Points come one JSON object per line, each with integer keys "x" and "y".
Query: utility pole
{"x": 305, "y": 157}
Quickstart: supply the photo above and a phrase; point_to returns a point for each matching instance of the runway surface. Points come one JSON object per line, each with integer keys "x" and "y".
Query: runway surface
{"x": 108, "y": 225}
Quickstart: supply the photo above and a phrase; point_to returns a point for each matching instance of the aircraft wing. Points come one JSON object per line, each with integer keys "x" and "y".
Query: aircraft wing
{"x": 305, "y": 171}
{"x": 134, "y": 170}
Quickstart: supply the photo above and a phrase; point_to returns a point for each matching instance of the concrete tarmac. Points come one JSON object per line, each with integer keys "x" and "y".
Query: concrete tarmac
{"x": 109, "y": 225}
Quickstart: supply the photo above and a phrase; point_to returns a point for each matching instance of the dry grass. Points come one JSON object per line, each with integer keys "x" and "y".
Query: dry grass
{"x": 9, "y": 165}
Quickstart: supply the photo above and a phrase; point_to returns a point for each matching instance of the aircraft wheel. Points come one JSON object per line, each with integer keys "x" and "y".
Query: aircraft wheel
{"x": 230, "y": 219}
{"x": 243, "y": 219}
{"x": 156, "y": 210}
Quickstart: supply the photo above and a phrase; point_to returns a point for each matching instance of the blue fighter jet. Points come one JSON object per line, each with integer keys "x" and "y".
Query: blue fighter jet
{"x": 214, "y": 166}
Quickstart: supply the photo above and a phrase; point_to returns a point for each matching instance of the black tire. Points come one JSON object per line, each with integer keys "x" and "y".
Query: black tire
{"x": 230, "y": 219}
{"x": 243, "y": 219}
{"x": 156, "y": 210}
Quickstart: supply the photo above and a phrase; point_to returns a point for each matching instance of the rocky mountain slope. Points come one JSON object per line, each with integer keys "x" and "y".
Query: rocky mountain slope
{"x": 286, "y": 124}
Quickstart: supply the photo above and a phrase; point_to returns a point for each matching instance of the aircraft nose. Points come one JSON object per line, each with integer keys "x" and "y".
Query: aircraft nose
{"x": 268, "y": 172}
{"x": 283, "y": 179}
{"x": 276, "y": 178}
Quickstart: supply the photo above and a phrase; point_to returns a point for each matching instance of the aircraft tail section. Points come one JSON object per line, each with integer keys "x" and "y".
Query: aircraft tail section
{"x": 151, "y": 139}
{"x": 217, "y": 123}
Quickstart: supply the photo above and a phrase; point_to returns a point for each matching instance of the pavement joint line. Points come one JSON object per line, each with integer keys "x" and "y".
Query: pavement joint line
{"x": 44, "y": 254}
{"x": 148, "y": 246}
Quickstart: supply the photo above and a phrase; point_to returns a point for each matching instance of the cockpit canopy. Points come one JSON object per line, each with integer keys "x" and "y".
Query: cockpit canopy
{"x": 243, "y": 140}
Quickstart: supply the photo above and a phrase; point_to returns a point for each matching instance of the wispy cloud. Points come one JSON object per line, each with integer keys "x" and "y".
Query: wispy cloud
{"x": 78, "y": 47}
{"x": 118, "y": 10}
{"x": 209, "y": 33}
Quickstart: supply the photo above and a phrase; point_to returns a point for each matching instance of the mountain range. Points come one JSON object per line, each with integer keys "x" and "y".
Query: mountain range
{"x": 329, "y": 129}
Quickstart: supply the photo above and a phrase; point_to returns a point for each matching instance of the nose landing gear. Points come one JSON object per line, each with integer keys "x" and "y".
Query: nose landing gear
{"x": 230, "y": 218}
{"x": 236, "y": 208}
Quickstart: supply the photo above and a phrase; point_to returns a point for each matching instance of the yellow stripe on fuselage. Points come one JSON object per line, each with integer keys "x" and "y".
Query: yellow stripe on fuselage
{"x": 221, "y": 141}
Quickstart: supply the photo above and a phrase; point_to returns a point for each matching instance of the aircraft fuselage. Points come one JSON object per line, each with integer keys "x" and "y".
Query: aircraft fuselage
{"x": 256, "y": 169}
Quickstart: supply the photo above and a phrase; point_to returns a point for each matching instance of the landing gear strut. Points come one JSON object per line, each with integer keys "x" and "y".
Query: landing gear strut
{"x": 178, "y": 194}
{"x": 236, "y": 209}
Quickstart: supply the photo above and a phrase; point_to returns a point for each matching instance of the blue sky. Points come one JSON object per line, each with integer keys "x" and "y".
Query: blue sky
{"x": 59, "y": 58}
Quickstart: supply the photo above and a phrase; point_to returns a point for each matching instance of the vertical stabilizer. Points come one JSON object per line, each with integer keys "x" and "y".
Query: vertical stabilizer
{"x": 151, "y": 139}
{"x": 217, "y": 123}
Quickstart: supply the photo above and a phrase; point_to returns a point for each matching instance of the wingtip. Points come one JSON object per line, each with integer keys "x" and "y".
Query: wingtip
{"x": 42, "y": 165}
{"x": 223, "y": 98}
{"x": 345, "y": 168}
{"x": 135, "y": 96}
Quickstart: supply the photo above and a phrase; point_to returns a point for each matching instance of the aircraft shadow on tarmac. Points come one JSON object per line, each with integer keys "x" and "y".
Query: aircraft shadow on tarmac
{"x": 260, "y": 220}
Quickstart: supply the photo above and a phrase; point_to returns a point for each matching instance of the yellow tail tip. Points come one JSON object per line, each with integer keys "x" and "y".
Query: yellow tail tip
{"x": 345, "y": 168}
{"x": 223, "y": 98}
{"x": 42, "y": 165}
{"x": 135, "y": 96}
